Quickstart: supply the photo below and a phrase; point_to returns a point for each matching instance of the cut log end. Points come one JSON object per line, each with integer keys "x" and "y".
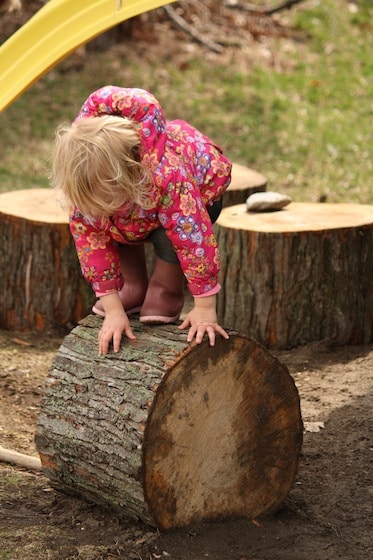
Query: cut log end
{"x": 170, "y": 432}
{"x": 223, "y": 435}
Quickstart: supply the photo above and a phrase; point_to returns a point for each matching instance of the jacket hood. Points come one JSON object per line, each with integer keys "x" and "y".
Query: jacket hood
{"x": 138, "y": 105}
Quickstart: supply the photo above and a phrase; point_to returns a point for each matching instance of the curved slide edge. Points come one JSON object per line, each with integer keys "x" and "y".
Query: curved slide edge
{"x": 54, "y": 32}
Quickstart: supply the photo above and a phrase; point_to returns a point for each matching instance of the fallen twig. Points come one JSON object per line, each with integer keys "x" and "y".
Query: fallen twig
{"x": 262, "y": 11}
{"x": 15, "y": 458}
{"x": 190, "y": 30}
{"x": 10, "y": 5}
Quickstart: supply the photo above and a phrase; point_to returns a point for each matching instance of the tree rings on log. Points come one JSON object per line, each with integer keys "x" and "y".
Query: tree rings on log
{"x": 301, "y": 274}
{"x": 245, "y": 181}
{"x": 41, "y": 283}
{"x": 169, "y": 432}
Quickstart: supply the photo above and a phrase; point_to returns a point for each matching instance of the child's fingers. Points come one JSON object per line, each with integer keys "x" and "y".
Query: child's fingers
{"x": 199, "y": 331}
{"x": 221, "y": 331}
{"x": 184, "y": 324}
{"x": 103, "y": 345}
{"x": 129, "y": 333}
{"x": 117, "y": 340}
{"x": 191, "y": 333}
{"x": 211, "y": 334}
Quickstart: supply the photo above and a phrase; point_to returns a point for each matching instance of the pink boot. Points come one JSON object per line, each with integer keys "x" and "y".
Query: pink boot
{"x": 164, "y": 298}
{"x": 135, "y": 275}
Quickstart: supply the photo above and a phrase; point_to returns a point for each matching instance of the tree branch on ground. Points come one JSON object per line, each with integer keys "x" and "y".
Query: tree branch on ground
{"x": 262, "y": 11}
{"x": 10, "y": 5}
{"x": 190, "y": 30}
{"x": 14, "y": 458}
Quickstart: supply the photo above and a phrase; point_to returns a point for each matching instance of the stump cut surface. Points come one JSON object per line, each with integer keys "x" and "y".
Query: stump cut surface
{"x": 36, "y": 205}
{"x": 298, "y": 217}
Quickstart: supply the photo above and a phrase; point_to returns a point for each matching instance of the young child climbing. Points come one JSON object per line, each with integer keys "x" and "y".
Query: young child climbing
{"x": 131, "y": 177}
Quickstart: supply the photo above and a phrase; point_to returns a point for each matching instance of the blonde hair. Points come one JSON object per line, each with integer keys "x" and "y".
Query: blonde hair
{"x": 96, "y": 165}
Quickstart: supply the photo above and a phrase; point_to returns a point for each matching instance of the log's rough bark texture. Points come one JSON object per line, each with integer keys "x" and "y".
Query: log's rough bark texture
{"x": 298, "y": 275}
{"x": 41, "y": 286}
{"x": 170, "y": 432}
{"x": 245, "y": 181}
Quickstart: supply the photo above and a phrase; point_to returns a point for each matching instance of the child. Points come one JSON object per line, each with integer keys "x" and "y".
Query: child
{"x": 130, "y": 176}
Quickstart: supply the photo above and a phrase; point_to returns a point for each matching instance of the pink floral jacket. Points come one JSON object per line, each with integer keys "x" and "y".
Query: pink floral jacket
{"x": 190, "y": 172}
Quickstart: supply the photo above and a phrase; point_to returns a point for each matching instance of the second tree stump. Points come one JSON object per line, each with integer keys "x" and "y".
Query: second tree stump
{"x": 169, "y": 432}
{"x": 296, "y": 275}
{"x": 41, "y": 285}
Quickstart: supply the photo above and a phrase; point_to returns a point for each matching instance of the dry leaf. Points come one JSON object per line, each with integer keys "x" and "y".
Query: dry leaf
{"x": 313, "y": 426}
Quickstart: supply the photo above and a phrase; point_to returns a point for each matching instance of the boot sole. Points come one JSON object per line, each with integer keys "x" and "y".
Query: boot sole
{"x": 101, "y": 313}
{"x": 159, "y": 319}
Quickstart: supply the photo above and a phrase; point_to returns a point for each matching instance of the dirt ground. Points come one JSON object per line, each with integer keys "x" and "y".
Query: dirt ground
{"x": 327, "y": 515}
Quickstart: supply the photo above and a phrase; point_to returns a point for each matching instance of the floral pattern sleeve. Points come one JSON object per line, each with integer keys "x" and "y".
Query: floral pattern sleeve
{"x": 186, "y": 221}
{"x": 98, "y": 255}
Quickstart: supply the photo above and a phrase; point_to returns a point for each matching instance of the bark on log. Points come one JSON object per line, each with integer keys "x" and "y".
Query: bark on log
{"x": 298, "y": 275}
{"x": 41, "y": 286}
{"x": 245, "y": 181}
{"x": 169, "y": 432}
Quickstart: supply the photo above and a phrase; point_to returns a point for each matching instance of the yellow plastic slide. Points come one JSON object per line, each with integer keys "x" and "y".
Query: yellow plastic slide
{"x": 55, "y": 31}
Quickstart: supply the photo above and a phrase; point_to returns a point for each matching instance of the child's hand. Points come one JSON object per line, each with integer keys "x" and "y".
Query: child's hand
{"x": 203, "y": 320}
{"x": 115, "y": 324}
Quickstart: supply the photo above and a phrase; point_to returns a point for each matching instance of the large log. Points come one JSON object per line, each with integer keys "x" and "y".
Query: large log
{"x": 298, "y": 275}
{"x": 41, "y": 284}
{"x": 170, "y": 432}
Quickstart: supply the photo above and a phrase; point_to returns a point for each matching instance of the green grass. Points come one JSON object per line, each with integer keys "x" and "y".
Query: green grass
{"x": 307, "y": 125}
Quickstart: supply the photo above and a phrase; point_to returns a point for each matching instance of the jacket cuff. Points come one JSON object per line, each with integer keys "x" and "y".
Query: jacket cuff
{"x": 211, "y": 292}
{"x": 107, "y": 287}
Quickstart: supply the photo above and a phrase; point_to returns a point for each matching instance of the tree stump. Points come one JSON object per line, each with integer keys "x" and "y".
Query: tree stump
{"x": 297, "y": 275}
{"x": 170, "y": 432}
{"x": 245, "y": 181}
{"x": 41, "y": 283}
